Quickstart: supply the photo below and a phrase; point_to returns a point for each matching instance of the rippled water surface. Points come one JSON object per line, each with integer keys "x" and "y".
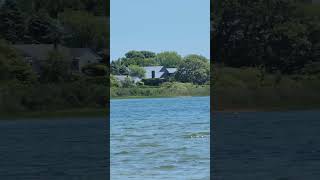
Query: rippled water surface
{"x": 165, "y": 138}
{"x": 267, "y": 146}
{"x": 55, "y": 149}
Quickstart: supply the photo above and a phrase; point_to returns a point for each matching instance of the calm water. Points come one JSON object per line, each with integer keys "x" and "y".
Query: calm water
{"x": 66, "y": 149}
{"x": 165, "y": 138}
{"x": 267, "y": 146}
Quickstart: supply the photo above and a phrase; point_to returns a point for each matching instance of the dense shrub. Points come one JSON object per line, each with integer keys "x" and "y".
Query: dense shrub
{"x": 236, "y": 88}
{"x": 153, "y": 81}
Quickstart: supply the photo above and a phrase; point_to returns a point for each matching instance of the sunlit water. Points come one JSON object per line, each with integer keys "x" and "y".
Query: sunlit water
{"x": 165, "y": 138}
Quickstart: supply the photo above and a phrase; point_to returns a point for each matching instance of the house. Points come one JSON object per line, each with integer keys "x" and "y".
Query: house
{"x": 34, "y": 54}
{"x": 160, "y": 72}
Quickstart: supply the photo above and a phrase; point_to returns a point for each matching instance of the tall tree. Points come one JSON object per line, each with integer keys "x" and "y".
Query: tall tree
{"x": 12, "y": 26}
{"x": 169, "y": 59}
{"x": 194, "y": 69}
{"x": 41, "y": 28}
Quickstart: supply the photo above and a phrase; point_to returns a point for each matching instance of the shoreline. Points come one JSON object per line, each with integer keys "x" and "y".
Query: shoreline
{"x": 152, "y": 97}
{"x": 278, "y": 109}
{"x": 100, "y": 112}
{"x": 71, "y": 113}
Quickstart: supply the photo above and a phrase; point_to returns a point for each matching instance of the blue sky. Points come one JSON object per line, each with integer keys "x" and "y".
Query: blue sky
{"x": 160, "y": 25}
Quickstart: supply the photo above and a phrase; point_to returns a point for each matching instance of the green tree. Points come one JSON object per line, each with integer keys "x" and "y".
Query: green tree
{"x": 86, "y": 30}
{"x": 139, "y": 61}
{"x": 41, "y": 28}
{"x": 114, "y": 82}
{"x": 12, "y": 26}
{"x": 127, "y": 83}
{"x": 168, "y": 59}
{"x": 136, "y": 71}
{"x": 194, "y": 69}
{"x": 140, "y": 58}
{"x": 118, "y": 68}
{"x": 56, "y": 68}
{"x": 273, "y": 33}
{"x": 13, "y": 67}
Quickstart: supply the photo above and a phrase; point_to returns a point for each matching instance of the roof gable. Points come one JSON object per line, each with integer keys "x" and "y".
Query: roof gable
{"x": 159, "y": 71}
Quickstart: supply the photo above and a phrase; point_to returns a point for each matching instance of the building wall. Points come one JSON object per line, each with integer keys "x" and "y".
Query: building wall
{"x": 86, "y": 59}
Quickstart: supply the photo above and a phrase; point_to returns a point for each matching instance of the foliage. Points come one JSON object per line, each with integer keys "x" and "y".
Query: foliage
{"x": 242, "y": 88}
{"x": 176, "y": 89}
{"x": 140, "y": 58}
{"x": 55, "y": 87}
{"x": 56, "y": 68}
{"x": 153, "y": 81}
{"x": 12, "y": 25}
{"x": 274, "y": 34}
{"x": 114, "y": 82}
{"x": 127, "y": 83}
{"x": 140, "y": 54}
{"x": 41, "y": 29}
{"x": 85, "y": 30}
{"x": 136, "y": 71}
{"x": 169, "y": 59}
{"x": 194, "y": 69}
{"x": 118, "y": 68}
{"x": 12, "y": 67}
{"x": 95, "y": 70}
{"x": 16, "y": 97}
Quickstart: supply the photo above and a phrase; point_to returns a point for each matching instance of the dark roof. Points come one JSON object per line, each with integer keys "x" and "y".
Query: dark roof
{"x": 77, "y": 52}
{"x": 40, "y": 51}
{"x": 157, "y": 69}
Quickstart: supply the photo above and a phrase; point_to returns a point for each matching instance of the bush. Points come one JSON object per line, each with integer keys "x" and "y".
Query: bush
{"x": 153, "y": 82}
{"x": 127, "y": 83}
{"x": 95, "y": 70}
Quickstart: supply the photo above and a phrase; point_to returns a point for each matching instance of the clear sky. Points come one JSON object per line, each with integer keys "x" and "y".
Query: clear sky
{"x": 160, "y": 25}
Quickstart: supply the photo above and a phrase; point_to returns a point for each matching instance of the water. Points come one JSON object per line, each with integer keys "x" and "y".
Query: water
{"x": 64, "y": 149}
{"x": 267, "y": 145}
{"x": 165, "y": 138}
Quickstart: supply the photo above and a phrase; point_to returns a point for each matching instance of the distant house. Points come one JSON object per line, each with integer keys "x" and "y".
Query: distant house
{"x": 151, "y": 72}
{"x": 160, "y": 72}
{"x": 34, "y": 54}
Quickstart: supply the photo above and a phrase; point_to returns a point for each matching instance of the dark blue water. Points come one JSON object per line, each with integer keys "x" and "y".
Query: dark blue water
{"x": 267, "y": 146}
{"x": 165, "y": 138}
{"x": 64, "y": 149}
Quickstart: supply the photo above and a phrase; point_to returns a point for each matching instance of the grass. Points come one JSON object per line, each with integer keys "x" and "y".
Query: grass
{"x": 244, "y": 89}
{"x": 166, "y": 90}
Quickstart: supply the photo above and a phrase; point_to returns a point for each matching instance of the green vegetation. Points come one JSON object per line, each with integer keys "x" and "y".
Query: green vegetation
{"x": 56, "y": 89}
{"x": 168, "y": 89}
{"x": 191, "y": 78}
{"x": 194, "y": 69}
{"x": 266, "y": 55}
{"x": 249, "y": 89}
{"x": 137, "y": 71}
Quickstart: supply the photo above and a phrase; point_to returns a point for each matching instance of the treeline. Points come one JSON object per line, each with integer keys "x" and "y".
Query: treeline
{"x": 72, "y": 23}
{"x": 266, "y": 54}
{"x": 280, "y": 36}
{"x": 190, "y": 69}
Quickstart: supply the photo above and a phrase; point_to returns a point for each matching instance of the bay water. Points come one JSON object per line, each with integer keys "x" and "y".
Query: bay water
{"x": 160, "y": 138}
